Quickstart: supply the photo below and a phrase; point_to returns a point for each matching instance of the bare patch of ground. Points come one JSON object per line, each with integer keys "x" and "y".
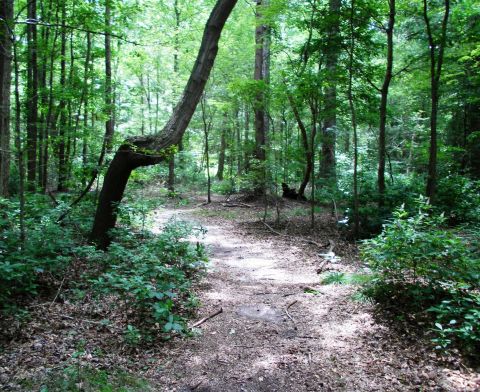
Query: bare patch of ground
{"x": 280, "y": 329}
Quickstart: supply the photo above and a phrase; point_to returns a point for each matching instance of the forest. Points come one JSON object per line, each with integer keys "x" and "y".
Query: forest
{"x": 254, "y": 195}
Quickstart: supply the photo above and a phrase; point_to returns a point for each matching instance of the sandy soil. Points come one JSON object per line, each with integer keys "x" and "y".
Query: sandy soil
{"x": 273, "y": 335}
{"x": 280, "y": 329}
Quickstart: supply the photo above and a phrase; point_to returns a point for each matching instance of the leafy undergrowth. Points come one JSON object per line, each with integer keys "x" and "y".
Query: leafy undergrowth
{"x": 74, "y": 308}
{"x": 428, "y": 275}
{"x": 78, "y": 378}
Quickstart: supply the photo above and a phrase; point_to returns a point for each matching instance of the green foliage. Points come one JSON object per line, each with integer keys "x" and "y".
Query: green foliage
{"x": 459, "y": 197}
{"x": 43, "y": 252}
{"x": 87, "y": 379}
{"x": 419, "y": 248}
{"x": 458, "y": 318}
{"x": 153, "y": 278}
{"x": 345, "y": 278}
{"x": 421, "y": 265}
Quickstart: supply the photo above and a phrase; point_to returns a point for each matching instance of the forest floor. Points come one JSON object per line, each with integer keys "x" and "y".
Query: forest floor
{"x": 280, "y": 328}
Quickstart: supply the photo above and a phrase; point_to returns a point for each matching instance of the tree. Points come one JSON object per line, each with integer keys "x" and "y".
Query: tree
{"x": 32, "y": 98}
{"x": 329, "y": 129}
{"x": 437, "y": 50}
{"x": 6, "y": 18}
{"x": 384, "y": 101}
{"x": 261, "y": 75}
{"x": 146, "y": 151}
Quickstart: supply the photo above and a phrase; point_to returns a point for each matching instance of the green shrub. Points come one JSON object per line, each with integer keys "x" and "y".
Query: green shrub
{"x": 458, "y": 318}
{"x": 45, "y": 251}
{"x": 153, "y": 278}
{"x": 459, "y": 198}
{"x": 420, "y": 265}
{"x": 419, "y": 249}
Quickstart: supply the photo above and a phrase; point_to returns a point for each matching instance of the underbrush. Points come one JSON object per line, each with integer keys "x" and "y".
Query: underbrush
{"x": 149, "y": 276}
{"x": 424, "y": 268}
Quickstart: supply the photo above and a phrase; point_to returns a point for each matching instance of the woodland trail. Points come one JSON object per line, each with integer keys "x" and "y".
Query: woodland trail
{"x": 326, "y": 342}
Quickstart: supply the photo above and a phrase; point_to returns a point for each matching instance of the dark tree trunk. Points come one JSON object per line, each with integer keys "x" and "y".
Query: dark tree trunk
{"x": 171, "y": 163}
{"x": 32, "y": 98}
{"x": 353, "y": 114}
{"x": 62, "y": 126}
{"x": 6, "y": 23}
{"x": 329, "y": 129}
{"x": 383, "y": 106}
{"x": 306, "y": 148}
{"x": 223, "y": 147}
{"x": 262, "y": 54}
{"x": 137, "y": 151}
{"x": 436, "y": 62}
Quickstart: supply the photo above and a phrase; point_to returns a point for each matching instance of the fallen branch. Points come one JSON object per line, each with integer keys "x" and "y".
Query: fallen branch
{"x": 288, "y": 314}
{"x": 198, "y": 323}
{"x": 58, "y": 292}
{"x": 241, "y": 205}
{"x": 307, "y": 241}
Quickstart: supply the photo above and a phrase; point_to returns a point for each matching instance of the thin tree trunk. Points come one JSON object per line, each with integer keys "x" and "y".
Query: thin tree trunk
{"x": 436, "y": 62}
{"x": 32, "y": 97}
{"x": 6, "y": 17}
{"x": 206, "y": 132}
{"x": 353, "y": 114}
{"x": 62, "y": 160}
{"x": 19, "y": 147}
{"x": 171, "y": 163}
{"x": 329, "y": 129}
{"x": 383, "y": 105}
{"x": 223, "y": 147}
{"x": 109, "y": 99}
{"x": 136, "y": 152}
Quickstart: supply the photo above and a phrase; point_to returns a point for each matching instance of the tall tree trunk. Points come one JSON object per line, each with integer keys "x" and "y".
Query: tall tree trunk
{"x": 6, "y": 23}
{"x": 223, "y": 147}
{"x": 109, "y": 98}
{"x": 136, "y": 152}
{"x": 329, "y": 129}
{"x": 206, "y": 132}
{"x": 262, "y": 54}
{"x": 171, "y": 162}
{"x": 62, "y": 126}
{"x": 353, "y": 115}
{"x": 32, "y": 95}
{"x": 436, "y": 62}
{"x": 383, "y": 105}
{"x": 19, "y": 147}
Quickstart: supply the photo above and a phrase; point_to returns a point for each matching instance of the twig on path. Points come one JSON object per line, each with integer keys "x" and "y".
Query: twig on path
{"x": 300, "y": 239}
{"x": 100, "y": 323}
{"x": 238, "y": 204}
{"x": 58, "y": 292}
{"x": 198, "y": 323}
{"x": 288, "y": 314}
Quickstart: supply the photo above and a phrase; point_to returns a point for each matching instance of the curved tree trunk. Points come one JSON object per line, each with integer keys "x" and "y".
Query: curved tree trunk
{"x": 146, "y": 151}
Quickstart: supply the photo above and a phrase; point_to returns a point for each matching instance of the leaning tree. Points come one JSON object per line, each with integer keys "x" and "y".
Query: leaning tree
{"x": 150, "y": 150}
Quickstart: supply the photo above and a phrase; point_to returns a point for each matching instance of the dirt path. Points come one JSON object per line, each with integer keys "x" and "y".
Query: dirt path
{"x": 326, "y": 342}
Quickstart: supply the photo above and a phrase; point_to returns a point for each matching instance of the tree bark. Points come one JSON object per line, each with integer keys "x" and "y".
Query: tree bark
{"x": 262, "y": 53}
{"x": 223, "y": 147}
{"x": 32, "y": 97}
{"x": 109, "y": 99}
{"x": 6, "y": 18}
{"x": 383, "y": 105}
{"x": 146, "y": 151}
{"x": 62, "y": 159}
{"x": 329, "y": 129}
{"x": 171, "y": 163}
{"x": 436, "y": 62}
